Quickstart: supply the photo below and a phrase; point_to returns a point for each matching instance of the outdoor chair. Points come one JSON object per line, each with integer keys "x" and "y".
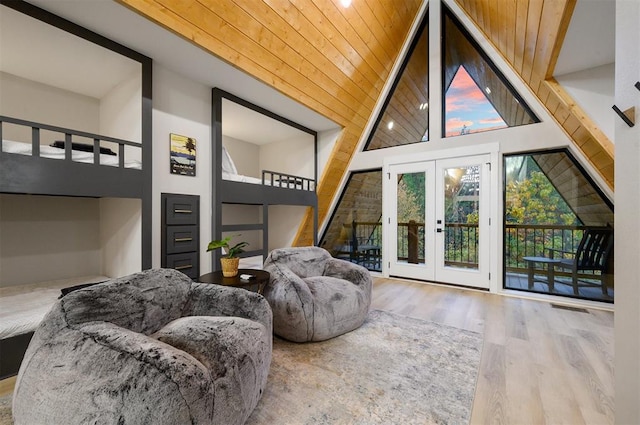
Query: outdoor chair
{"x": 594, "y": 254}
{"x": 363, "y": 250}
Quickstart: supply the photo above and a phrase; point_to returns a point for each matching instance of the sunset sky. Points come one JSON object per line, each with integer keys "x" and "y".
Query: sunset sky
{"x": 467, "y": 105}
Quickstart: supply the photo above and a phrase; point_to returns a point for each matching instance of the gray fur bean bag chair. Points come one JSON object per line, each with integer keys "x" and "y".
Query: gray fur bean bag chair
{"x": 314, "y": 296}
{"x": 150, "y": 348}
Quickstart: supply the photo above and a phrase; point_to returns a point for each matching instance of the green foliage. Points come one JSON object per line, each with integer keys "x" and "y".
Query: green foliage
{"x": 535, "y": 201}
{"x": 232, "y": 251}
{"x": 411, "y": 198}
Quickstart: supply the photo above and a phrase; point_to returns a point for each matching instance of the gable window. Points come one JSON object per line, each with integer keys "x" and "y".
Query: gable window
{"x": 558, "y": 234}
{"x": 477, "y": 97}
{"x": 354, "y": 232}
{"x": 405, "y": 115}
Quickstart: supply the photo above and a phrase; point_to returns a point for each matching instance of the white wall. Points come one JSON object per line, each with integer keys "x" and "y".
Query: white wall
{"x": 33, "y": 101}
{"x": 326, "y": 143}
{"x": 47, "y": 237}
{"x": 593, "y": 89}
{"x": 627, "y": 234}
{"x": 284, "y": 221}
{"x": 183, "y": 107}
{"x": 291, "y": 156}
{"x": 121, "y": 113}
{"x": 120, "y": 236}
{"x": 121, "y": 219}
{"x": 245, "y": 156}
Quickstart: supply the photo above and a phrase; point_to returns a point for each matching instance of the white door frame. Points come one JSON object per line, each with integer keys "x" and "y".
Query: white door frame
{"x": 495, "y": 204}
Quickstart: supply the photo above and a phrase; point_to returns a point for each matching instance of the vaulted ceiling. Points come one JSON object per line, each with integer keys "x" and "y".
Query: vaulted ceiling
{"x": 529, "y": 35}
{"x": 336, "y": 60}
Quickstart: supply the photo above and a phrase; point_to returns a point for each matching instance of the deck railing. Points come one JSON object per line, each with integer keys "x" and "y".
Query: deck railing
{"x": 461, "y": 242}
{"x": 531, "y": 240}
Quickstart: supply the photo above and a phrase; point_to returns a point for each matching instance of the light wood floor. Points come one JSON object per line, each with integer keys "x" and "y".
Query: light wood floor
{"x": 540, "y": 364}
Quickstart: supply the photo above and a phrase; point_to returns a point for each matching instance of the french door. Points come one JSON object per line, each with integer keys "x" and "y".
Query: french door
{"x": 439, "y": 220}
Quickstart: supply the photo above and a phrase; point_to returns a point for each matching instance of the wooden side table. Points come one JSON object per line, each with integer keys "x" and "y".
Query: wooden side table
{"x": 257, "y": 282}
{"x": 550, "y": 263}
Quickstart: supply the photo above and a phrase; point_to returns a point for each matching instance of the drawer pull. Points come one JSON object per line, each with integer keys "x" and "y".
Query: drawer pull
{"x": 183, "y": 239}
{"x": 182, "y": 211}
{"x": 188, "y": 266}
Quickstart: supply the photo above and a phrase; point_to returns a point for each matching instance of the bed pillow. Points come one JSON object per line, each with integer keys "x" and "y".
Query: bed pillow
{"x": 82, "y": 147}
{"x": 227, "y": 163}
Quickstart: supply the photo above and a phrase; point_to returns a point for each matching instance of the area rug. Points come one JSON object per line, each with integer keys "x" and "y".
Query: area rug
{"x": 5, "y": 410}
{"x": 392, "y": 370}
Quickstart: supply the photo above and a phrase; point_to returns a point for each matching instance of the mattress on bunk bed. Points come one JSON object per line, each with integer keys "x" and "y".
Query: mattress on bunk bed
{"x": 285, "y": 184}
{"x": 22, "y": 307}
{"x": 230, "y": 172}
{"x": 47, "y": 151}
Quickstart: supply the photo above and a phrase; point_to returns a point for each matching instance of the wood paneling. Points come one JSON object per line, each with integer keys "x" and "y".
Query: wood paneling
{"x": 538, "y": 28}
{"x": 332, "y": 59}
{"x": 458, "y": 51}
{"x": 361, "y": 202}
{"x": 410, "y": 121}
{"x": 574, "y": 188}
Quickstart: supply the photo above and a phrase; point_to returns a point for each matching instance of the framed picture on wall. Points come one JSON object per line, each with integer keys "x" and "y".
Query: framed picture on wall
{"x": 183, "y": 155}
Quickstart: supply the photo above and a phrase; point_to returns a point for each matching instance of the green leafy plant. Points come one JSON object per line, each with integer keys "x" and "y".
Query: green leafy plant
{"x": 232, "y": 251}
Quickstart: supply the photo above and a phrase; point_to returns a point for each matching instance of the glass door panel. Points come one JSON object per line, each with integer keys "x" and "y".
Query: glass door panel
{"x": 461, "y": 213}
{"x": 462, "y": 216}
{"x": 411, "y": 221}
{"x": 440, "y": 209}
{"x": 410, "y": 217}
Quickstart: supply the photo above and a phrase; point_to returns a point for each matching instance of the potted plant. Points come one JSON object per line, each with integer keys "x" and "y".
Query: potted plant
{"x": 230, "y": 262}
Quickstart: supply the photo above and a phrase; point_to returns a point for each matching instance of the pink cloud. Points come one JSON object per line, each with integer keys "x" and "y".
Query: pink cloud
{"x": 463, "y": 92}
{"x": 455, "y": 124}
{"x": 496, "y": 120}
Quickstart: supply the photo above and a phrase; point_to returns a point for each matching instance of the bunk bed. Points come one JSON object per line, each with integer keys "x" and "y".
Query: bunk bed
{"x": 76, "y": 164}
{"x": 273, "y": 188}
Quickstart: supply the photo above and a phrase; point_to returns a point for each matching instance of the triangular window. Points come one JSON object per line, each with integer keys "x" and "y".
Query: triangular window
{"x": 477, "y": 96}
{"x": 354, "y": 232}
{"x": 467, "y": 108}
{"x": 405, "y": 117}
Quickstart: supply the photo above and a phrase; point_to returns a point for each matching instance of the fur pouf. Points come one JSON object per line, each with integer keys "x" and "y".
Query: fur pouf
{"x": 314, "y": 296}
{"x": 150, "y": 348}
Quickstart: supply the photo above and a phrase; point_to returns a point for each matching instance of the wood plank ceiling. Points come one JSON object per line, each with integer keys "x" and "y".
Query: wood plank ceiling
{"x": 335, "y": 60}
{"x": 332, "y": 59}
{"x": 529, "y": 35}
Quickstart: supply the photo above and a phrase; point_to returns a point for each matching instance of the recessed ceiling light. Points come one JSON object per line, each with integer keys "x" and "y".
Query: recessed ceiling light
{"x": 488, "y": 90}
{"x": 390, "y": 125}
{"x": 345, "y": 3}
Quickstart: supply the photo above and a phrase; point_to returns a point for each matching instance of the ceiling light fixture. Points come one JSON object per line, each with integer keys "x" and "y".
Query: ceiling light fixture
{"x": 488, "y": 90}
{"x": 345, "y": 3}
{"x": 390, "y": 125}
